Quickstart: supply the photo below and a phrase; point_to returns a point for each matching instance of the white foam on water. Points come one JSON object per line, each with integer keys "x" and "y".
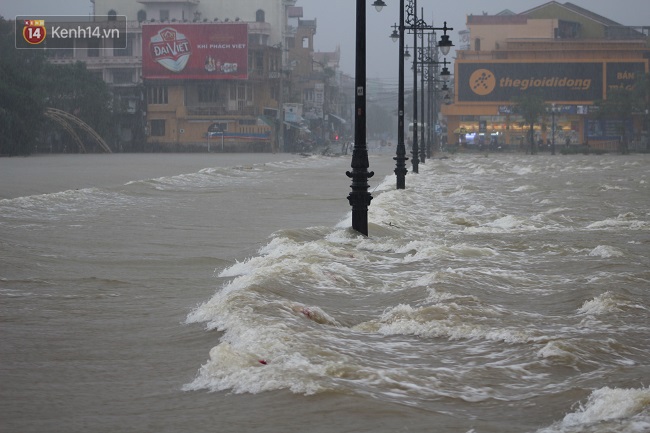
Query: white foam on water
{"x": 606, "y": 251}
{"x": 608, "y": 303}
{"x": 451, "y": 320}
{"x": 608, "y": 410}
{"x": 64, "y": 205}
{"x": 626, "y": 221}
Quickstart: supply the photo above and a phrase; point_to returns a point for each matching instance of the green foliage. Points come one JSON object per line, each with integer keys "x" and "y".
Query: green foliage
{"x": 29, "y": 84}
{"x": 622, "y": 103}
{"x": 72, "y": 88}
{"x": 21, "y": 104}
{"x": 531, "y": 107}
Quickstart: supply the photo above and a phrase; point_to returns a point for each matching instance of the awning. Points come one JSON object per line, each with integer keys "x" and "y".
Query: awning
{"x": 298, "y": 126}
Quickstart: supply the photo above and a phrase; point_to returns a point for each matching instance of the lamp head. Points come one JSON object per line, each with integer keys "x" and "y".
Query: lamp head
{"x": 445, "y": 72}
{"x": 394, "y": 36}
{"x": 379, "y": 5}
{"x": 445, "y": 44}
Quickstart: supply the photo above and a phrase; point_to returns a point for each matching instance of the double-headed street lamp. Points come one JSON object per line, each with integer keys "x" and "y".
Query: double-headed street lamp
{"x": 412, "y": 24}
{"x": 424, "y": 63}
{"x": 360, "y": 198}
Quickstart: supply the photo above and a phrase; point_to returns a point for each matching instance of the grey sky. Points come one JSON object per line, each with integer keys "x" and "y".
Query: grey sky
{"x": 336, "y": 21}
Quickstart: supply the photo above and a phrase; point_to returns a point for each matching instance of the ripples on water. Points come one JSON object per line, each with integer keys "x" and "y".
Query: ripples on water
{"x": 507, "y": 290}
{"x": 488, "y": 285}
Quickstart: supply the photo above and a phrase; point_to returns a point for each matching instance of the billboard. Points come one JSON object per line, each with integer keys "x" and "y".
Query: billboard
{"x": 624, "y": 75}
{"x": 502, "y": 81}
{"x": 195, "y": 51}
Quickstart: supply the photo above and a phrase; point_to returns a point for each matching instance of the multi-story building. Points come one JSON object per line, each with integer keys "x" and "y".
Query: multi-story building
{"x": 224, "y": 91}
{"x": 565, "y": 53}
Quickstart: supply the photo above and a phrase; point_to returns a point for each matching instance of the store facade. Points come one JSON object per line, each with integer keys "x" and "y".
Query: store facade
{"x": 510, "y": 56}
{"x": 486, "y": 91}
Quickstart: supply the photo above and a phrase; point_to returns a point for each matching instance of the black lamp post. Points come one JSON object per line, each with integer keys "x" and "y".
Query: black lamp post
{"x": 410, "y": 23}
{"x": 360, "y": 198}
{"x": 400, "y": 155}
{"x": 553, "y": 110}
{"x": 424, "y": 63}
{"x": 647, "y": 130}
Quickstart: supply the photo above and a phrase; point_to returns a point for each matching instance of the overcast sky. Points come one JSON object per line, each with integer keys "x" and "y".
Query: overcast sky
{"x": 336, "y": 21}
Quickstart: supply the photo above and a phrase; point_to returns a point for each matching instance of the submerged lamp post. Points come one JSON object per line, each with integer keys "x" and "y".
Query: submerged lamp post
{"x": 400, "y": 154}
{"x": 412, "y": 24}
{"x": 554, "y": 110}
{"x": 359, "y": 197}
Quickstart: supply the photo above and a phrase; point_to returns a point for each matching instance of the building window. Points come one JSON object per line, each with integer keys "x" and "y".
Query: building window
{"x": 305, "y": 42}
{"x": 142, "y": 15}
{"x": 112, "y": 15}
{"x": 93, "y": 47}
{"x": 157, "y": 95}
{"x": 259, "y": 16}
{"x": 122, "y": 76}
{"x": 164, "y": 14}
{"x": 241, "y": 92}
{"x": 208, "y": 93}
{"x": 259, "y": 62}
{"x": 122, "y": 47}
{"x": 477, "y": 44}
{"x": 158, "y": 127}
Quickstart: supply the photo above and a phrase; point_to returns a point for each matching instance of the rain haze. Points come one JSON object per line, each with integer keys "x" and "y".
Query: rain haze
{"x": 202, "y": 229}
{"x": 336, "y": 22}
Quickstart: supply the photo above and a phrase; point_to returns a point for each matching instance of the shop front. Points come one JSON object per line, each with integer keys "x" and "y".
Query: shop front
{"x": 483, "y": 114}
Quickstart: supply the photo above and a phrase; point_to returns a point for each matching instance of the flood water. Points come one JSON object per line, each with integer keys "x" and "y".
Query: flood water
{"x": 227, "y": 293}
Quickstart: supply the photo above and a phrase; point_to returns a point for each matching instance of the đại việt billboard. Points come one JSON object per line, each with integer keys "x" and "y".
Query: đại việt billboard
{"x": 195, "y": 51}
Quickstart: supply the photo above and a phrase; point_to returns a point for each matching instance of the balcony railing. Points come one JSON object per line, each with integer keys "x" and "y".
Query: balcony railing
{"x": 199, "y": 110}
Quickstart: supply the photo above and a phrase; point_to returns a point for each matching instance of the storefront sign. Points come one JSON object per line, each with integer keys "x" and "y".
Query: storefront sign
{"x": 624, "y": 75}
{"x": 607, "y": 129}
{"x": 505, "y": 81}
{"x": 195, "y": 51}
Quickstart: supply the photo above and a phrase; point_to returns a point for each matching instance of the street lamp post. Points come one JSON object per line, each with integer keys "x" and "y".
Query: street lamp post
{"x": 553, "y": 110}
{"x": 647, "y": 130}
{"x": 359, "y": 197}
{"x": 428, "y": 67}
{"x": 400, "y": 156}
{"x": 415, "y": 161}
{"x": 445, "y": 45}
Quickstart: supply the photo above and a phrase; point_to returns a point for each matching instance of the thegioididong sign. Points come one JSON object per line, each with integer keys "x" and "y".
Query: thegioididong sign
{"x": 502, "y": 81}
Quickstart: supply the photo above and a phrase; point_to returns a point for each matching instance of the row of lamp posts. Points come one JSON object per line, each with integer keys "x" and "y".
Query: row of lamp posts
{"x": 359, "y": 197}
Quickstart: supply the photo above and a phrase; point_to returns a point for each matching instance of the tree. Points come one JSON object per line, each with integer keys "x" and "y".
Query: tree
{"x": 29, "y": 84}
{"x": 531, "y": 107}
{"x": 74, "y": 89}
{"x": 622, "y": 103}
{"x": 21, "y": 102}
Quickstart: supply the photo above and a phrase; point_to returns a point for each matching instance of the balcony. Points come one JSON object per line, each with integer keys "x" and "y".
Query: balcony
{"x": 213, "y": 111}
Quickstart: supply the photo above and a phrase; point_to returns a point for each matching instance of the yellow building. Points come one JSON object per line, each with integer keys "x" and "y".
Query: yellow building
{"x": 207, "y": 86}
{"x": 567, "y": 54}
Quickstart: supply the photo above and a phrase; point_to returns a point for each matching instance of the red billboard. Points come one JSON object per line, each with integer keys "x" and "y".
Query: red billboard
{"x": 195, "y": 51}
